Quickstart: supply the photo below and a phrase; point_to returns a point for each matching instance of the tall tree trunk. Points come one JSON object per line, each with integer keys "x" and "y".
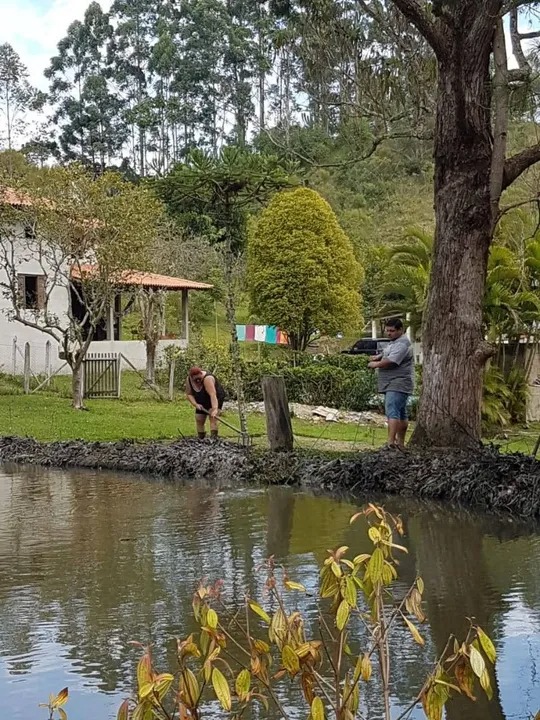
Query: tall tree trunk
{"x": 230, "y": 310}
{"x": 453, "y": 344}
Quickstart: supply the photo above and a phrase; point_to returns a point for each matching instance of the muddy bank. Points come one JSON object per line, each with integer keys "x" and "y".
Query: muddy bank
{"x": 484, "y": 479}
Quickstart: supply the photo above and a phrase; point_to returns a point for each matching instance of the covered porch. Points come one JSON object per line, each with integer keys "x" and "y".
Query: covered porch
{"x": 108, "y": 337}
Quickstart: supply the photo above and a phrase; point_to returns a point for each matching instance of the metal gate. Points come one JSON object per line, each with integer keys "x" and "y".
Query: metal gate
{"x": 102, "y": 375}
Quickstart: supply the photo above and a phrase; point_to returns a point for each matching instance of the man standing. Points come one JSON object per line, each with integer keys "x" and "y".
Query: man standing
{"x": 395, "y": 368}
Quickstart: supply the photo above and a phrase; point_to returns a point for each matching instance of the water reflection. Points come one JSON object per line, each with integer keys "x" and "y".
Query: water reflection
{"x": 89, "y": 562}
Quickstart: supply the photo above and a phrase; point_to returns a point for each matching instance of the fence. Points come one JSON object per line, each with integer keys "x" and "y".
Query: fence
{"x": 102, "y": 375}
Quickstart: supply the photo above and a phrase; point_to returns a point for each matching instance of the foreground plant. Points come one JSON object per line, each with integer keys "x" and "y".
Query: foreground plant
{"x": 234, "y": 659}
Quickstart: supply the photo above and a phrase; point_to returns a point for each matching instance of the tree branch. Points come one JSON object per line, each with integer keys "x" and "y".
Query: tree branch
{"x": 517, "y": 164}
{"x": 418, "y": 16}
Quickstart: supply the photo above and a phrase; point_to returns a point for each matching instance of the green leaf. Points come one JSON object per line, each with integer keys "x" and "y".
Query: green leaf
{"x": 317, "y": 709}
{"x": 257, "y": 609}
{"x": 342, "y": 614}
{"x": 477, "y": 661}
{"x": 375, "y": 566}
{"x": 486, "y": 684}
{"x": 487, "y": 646}
{"x": 290, "y": 659}
{"x": 414, "y": 631}
{"x": 350, "y": 593}
{"x": 221, "y": 688}
{"x": 212, "y": 619}
{"x": 290, "y": 585}
{"x": 243, "y": 683}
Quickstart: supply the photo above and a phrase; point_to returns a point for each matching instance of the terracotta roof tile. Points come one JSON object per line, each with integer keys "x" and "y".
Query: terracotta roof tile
{"x": 146, "y": 279}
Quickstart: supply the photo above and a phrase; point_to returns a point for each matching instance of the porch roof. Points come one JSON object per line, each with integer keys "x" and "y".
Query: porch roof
{"x": 130, "y": 278}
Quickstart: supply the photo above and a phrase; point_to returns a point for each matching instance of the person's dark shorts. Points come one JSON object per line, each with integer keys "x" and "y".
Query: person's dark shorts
{"x": 395, "y": 405}
{"x": 201, "y": 412}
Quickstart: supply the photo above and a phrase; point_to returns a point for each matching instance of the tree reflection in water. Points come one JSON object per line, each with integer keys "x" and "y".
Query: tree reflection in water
{"x": 90, "y": 561}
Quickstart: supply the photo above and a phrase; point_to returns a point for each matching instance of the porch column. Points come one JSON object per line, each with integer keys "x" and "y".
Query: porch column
{"x": 374, "y": 330}
{"x": 118, "y": 316}
{"x": 185, "y": 316}
{"x": 110, "y": 321}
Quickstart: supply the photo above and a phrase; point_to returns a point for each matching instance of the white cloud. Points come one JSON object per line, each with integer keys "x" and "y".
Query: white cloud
{"x": 34, "y": 28}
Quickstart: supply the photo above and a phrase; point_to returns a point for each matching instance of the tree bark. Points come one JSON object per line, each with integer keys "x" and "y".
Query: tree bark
{"x": 453, "y": 344}
{"x": 151, "y": 348}
{"x": 77, "y": 385}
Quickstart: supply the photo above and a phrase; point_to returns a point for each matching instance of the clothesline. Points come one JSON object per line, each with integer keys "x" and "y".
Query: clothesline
{"x": 261, "y": 333}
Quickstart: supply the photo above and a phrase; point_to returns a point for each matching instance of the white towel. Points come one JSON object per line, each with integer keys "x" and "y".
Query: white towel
{"x": 260, "y": 333}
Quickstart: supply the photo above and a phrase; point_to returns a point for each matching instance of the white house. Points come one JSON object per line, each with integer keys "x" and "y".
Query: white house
{"x": 24, "y": 269}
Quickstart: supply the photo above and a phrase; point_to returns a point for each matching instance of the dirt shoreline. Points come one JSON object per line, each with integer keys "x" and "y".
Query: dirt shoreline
{"x": 484, "y": 479}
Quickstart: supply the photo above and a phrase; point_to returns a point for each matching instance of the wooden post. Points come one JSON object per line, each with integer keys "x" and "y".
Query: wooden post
{"x": 14, "y": 358}
{"x": 172, "y": 366}
{"x": 185, "y": 315}
{"x": 27, "y": 368}
{"x": 48, "y": 362}
{"x": 278, "y": 419}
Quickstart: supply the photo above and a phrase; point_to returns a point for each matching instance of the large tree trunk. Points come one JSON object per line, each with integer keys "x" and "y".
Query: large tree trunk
{"x": 453, "y": 345}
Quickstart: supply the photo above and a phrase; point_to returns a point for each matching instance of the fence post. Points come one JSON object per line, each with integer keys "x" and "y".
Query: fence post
{"x": 14, "y": 358}
{"x": 278, "y": 418}
{"x": 172, "y": 366}
{"x": 48, "y": 362}
{"x": 27, "y": 368}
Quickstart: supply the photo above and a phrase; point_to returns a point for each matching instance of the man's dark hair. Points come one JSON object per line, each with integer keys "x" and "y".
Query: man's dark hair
{"x": 395, "y": 323}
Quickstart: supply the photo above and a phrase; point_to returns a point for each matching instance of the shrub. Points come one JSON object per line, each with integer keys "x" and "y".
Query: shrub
{"x": 246, "y": 655}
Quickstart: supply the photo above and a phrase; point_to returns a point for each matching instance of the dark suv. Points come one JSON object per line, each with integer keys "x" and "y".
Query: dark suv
{"x": 367, "y": 346}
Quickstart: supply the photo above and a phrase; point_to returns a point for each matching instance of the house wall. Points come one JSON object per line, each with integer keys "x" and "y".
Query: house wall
{"x": 12, "y": 329}
{"x": 14, "y": 335}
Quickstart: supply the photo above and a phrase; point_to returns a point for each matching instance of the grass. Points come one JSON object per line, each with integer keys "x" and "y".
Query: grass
{"x": 140, "y": 415}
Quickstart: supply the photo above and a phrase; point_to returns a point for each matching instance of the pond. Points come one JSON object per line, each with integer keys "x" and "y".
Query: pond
{"x": 91, "y": 561}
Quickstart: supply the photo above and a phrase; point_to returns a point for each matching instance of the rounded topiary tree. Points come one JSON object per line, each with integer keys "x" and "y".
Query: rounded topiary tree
{"x": 302, "y": 272}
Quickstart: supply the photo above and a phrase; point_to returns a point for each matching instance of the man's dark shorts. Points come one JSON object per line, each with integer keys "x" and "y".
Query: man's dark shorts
{"x": 395, "y": 405}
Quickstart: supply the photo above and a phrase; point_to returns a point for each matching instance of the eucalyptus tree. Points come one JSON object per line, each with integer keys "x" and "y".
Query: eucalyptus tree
{"x": 87, "y": 111}
{"x": 17, "y": 96}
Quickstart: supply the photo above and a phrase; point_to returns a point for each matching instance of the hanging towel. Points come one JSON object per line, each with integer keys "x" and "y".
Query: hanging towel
{"x": 260, "y": 333}
{"x": 241, "y": 332}
{"x": 271, "y": 334}
{"x": 282, "y": 338}
{"x": 250, "y": 332}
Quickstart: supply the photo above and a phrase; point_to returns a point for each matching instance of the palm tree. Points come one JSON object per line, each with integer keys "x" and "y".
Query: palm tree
{"x": 409, "y": 269}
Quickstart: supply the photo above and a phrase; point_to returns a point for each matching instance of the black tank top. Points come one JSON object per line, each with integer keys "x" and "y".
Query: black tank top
{"x": 202, "y": 396}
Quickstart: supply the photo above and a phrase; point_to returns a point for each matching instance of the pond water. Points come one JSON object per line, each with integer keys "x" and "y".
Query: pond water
{"x": 91, "y": 561}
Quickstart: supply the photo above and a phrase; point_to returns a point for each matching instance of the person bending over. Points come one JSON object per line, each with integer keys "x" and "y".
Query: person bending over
{"x": 206, "y": 394}
{"x": 395, "y": 369}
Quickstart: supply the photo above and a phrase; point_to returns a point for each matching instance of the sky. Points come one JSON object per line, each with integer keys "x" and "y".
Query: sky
{"x": 34, "y": 28}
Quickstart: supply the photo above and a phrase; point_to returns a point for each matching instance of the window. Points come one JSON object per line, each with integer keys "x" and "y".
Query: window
{"x": 32, "y": 292}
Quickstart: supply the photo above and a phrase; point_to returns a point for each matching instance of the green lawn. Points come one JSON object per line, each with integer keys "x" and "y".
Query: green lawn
{"x": 140, "y": 415}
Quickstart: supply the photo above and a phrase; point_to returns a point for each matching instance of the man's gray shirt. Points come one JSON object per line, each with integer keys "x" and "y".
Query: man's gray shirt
{"x": 398, "y": 377}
